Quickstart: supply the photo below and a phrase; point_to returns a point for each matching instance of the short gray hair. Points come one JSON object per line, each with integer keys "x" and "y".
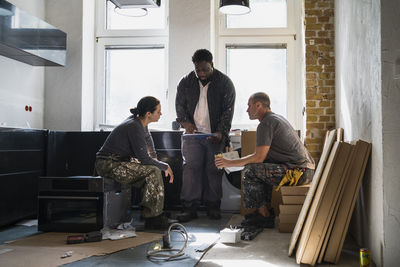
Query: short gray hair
{"x": 261, "y": 97}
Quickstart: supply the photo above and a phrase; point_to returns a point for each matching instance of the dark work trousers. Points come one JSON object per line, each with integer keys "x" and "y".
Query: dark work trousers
{"x": 259, "y": 178}
{"x": 200, "y": 175}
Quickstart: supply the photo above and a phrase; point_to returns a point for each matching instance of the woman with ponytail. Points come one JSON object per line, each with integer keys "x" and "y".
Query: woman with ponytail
{"x": 129, "y": 157}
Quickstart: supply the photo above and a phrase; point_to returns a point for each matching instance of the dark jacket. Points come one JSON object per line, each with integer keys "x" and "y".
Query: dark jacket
{"x": 220, "y": 98}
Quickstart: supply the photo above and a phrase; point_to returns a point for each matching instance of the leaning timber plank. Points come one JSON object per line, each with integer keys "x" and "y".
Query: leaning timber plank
{"x": 340, "y": 228}
{"x": 314, "y": 184}
{"x": 334, "y": 207}
{"x": 320, "y": 210}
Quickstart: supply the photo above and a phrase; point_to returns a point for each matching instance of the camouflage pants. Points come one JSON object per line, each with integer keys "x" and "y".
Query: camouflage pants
{"x": 146, "y": 177}
{"x": 259, "y": 178}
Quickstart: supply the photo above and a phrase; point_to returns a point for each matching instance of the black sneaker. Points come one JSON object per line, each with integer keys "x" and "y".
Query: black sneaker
{"x": 214, "y": 214}
{"x": 259, "y": 221}
{"x": 159, "y": 222}
{"x": 186, "y": 216}
{"x": 256, "y": 214}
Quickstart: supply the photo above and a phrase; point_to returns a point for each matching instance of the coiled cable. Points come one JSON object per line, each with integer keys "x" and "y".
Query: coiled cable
{"x": 162, "y": 253}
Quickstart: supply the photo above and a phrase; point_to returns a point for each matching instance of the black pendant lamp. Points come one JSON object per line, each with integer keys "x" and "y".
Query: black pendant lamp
{"x": 234, "y": 7}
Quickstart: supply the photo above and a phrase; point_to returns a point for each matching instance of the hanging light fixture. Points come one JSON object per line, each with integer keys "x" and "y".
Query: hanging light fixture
{"x": 6, "y": 9}
{"x": 134, "y": 8}
{"x": 234, "y": 7}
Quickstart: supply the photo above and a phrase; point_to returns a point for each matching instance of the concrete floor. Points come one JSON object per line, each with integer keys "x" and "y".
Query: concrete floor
{"x": 269, "y": 248}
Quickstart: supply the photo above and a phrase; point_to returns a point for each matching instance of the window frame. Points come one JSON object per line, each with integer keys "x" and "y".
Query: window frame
{"x": 123, "y": 38}
{"x": 269, "y": 36}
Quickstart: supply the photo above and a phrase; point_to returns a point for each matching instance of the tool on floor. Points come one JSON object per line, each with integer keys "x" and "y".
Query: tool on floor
{"x": 94, "y": 236}
{"x": 250, "y": 232}
{"x": 166, "y": 251}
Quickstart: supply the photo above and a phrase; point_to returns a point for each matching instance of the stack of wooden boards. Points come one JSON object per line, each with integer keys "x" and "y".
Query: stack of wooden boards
{"x": 325, "y": 216}
{"x": 292, "y": 198}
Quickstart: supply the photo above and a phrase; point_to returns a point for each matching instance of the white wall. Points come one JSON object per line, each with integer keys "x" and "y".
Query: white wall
{"x": 22, "y": 84}
{"x": 390, "y": 19}
{"x": 367, "y": 98}
{"x": 63, "y": 93}
{"x": 189, "y": 30}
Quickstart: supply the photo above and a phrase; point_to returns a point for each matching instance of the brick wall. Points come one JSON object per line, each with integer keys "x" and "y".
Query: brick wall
{"x": 320, "y": 73}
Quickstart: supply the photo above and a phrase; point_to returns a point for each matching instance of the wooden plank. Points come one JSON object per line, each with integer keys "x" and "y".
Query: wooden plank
{"x": 314, "y": 184}
{"x": 288, "y": 218}
{"x": 334, "y": 168}
{"x": 341, "y": 225}
{"x": 286, "y": 227}
{"x": 321, "y": 208}
{"x": 293, "y": 199}
{"x": 340, "y": 134}
{"x": 300, "y": 190}
{"x": 290, "y": 209}
{"x": 335, "y": 206}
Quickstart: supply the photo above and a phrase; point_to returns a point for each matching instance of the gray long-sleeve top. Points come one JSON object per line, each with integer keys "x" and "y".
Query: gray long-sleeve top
{"x": 131, "y": 139}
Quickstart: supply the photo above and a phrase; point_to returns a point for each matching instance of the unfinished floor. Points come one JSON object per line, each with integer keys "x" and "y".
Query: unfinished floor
{"x": 269, "y": 248}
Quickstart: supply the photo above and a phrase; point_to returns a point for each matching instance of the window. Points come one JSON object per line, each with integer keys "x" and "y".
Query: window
{"x": 254, "y": 69}
{"x": 131, "y": 62}
{"x": 257, "y": 51}
{"x": 131, "y": 73}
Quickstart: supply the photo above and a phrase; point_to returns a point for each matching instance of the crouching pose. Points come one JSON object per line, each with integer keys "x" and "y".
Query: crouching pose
{"x": 278, "y": 150}
{"x": 128, "y": 156}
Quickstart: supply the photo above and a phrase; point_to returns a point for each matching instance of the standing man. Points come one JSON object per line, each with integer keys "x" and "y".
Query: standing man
{"x": 278, "y": 149}
{"x": 204, "y": 104}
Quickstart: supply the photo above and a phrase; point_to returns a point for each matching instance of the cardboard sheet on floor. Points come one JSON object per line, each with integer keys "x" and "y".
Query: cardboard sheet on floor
{"x": 46, "y": 249}
{"x": 310, "y": 195}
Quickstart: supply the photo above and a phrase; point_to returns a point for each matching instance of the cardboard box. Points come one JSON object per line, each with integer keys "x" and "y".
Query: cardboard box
{"x": 288, "y": 218}
{"x": 286, "y": 227}
{"x": 300, "y": 190}
{"x": 290, "y": 209}
{"x": 293, "y": 199}
{"x": 248, "y": 143}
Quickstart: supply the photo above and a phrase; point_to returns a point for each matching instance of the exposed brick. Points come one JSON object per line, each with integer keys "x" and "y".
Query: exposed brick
{"x": 311, "y": 75}
{"x": 324, "y": 75}
{"x": 311, "y": 33}
{"x": 323, "y": 19}
{"x": 329, "y": 82}
{"x": 313, "y": 68}
{"x": 311, "y": 12}
{"x": 311, "y": 20}
{"x": 324, "y": 61}
{"x": 322, "y": 4}
{"x": 309, "y": 4}
{"x": 329, "y": 111}
{"x": 314, "y": 26}
{"x": 324, "y": 118}
{"x": 312, "y": 118}
{"x": 315, "y": 111}
{"x": 324, "y": 104}
{"x": 311, "y": 83}
{"x": 322, "y": 33}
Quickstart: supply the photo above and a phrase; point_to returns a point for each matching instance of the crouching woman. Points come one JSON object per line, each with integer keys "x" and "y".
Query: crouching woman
{"x": 128, "y": 156}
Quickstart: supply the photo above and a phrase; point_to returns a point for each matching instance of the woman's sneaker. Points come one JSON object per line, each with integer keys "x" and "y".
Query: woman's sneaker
{"x": 160, "y": 222}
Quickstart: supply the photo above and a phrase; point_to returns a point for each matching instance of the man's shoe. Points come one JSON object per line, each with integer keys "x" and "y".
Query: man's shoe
{"x": 159, "y": 222}
{"x": 259, "y": 221}
{"x": 186, "y": 216}
{"x": 256, "y": 214}
{"x": 214, "y": 214}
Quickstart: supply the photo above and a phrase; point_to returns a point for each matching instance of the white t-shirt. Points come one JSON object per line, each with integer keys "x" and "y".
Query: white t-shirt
{"x": 201, "y": 115}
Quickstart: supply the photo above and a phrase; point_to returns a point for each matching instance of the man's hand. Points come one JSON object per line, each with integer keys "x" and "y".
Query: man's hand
{"x": 190, "y": 128}
{"x": 215, "y": 139}
{"x": 221, "y": 162}
{"x": 170, "y": 173}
